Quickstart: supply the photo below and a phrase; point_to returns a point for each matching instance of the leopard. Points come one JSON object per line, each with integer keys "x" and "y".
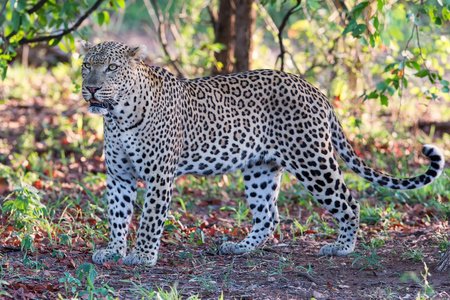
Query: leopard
{"x": 262, "y": 122}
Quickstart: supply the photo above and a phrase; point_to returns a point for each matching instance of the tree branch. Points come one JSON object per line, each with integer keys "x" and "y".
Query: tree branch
{"x": 162, "y": 36}
{"x": 63, "y": 32}
{"x": 36, "y": 7}
{"x": 213, "y": 17}
{"x": 280, "y": 33}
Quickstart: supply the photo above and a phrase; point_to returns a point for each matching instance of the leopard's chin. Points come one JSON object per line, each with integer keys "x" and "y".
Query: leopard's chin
{"x": 97, "y": 107}
{"x": 98, "y": 110}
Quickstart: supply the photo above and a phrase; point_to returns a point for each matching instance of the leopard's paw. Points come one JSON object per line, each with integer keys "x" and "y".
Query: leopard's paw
{"x": 336, "y": 250}
{"x": 105, "y": 255}
{"x": 138, "y": 258}
{"x": 233, "y": 248}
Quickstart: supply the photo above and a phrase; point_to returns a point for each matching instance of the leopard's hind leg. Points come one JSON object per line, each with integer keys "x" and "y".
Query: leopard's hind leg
{"x": 262, "y": 184}
{"x": 318, "y": 171}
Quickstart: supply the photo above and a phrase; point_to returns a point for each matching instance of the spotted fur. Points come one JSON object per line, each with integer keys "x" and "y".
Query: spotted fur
{"x": 262, "y": 122}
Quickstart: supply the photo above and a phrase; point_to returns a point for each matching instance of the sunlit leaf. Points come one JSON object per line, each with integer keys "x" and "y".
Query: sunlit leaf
{"x": 63, "y": 47}
{"x": 422, "y": 73}
{"x": 106, "y": 14}
{"x": 380, "y": 5}
{"x": 415, "y": 65}
{"x": 121, "y": 3}
{"x": 384, "y": 100}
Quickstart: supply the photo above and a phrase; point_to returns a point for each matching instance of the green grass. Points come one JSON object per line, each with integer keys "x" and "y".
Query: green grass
{"x": 56, "y": 171}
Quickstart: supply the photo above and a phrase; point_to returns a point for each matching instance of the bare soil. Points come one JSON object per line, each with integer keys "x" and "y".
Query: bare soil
{"x": 281, "y": 269}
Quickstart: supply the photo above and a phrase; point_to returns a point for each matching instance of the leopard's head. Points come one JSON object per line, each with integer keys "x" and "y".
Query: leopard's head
{"x": 109, "y": 73}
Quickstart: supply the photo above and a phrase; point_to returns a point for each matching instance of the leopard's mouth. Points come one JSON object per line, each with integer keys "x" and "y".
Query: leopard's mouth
{"x": 95, "y": 103}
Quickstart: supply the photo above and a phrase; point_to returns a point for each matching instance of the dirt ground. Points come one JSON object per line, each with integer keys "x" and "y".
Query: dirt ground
{"x": 277, "y": 271}
{"x": 283, "y": 269}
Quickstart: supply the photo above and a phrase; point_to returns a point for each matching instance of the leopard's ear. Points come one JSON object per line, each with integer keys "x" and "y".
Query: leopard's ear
{"x": 86, "y": 46}
{"x": 138, "y": 52}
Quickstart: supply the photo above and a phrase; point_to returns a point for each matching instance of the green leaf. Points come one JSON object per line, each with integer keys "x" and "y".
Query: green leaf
{"x": 25, "y": 19}
{"x": 88, "y": 271}
{"x": 357, "y": 10}
{"x": 372, "y": 40}
{"x": 432, "y": 77}
{"x": 121, "y": 3}
{"x": 384, "y": 100}
{"x": 438, "y": 21}
{"x": 422, "y": 73}
{"x": 390, "y": 67}
{"x": 380, "y": 5}
{"x": 363, "y": 41}
{"x": 20, "y": 5}
{"x": 100, "y": 19}
{"x": 391, "y": 90}
{"x": 314, "y": 5}
{"x": 54, "y": 42}
{"x": 15, "y": 21}
{"x": 373, "y": 95}
{"x": 63, "y": 47}
{"x": 376, "y": 23}
{"x": 352, "y": 24}
{"x": 415, "y": 65}
{"x": 445, "y": 89}
{"x": 359, "y": 29}
{"x": 106, "y": 14}
{"x": 445, "y": 14}
{"x": 444, "y": 82}
{"x": 4, "y": 71}
{"x": 381, "y": 86}
{"x": 71, "y": 41}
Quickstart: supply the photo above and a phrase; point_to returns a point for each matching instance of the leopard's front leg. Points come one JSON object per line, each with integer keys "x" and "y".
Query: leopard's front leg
{"x": 121, "y": 183}
{"x": 121, "y": 195}
{"x": 151, "y": 227}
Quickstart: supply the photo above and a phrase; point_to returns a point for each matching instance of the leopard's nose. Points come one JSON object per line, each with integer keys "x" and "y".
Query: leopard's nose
{"x": 93, "y": 89}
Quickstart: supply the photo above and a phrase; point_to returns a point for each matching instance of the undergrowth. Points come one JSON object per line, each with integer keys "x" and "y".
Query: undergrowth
{"x": 52, "y": 181}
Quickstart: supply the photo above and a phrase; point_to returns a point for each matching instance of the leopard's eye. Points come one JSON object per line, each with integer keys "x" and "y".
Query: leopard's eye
{"x": 112, "y": 67}
{"x": 87, "y": 65}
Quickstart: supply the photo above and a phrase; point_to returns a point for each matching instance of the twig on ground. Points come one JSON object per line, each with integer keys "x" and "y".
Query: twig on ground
{"x": 305, "y": 274}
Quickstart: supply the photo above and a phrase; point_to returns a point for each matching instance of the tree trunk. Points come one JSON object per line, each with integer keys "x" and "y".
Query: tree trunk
{"x": 444, "y": 263}
{"x": 225, "y": 33}
{"x": 245, "y": 27}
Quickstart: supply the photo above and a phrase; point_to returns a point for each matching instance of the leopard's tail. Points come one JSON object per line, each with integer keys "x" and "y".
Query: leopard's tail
{"x": 359, "y": 166}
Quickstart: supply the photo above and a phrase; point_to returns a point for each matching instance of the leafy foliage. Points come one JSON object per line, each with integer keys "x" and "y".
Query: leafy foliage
{"x": 32, "y": 21}
{"x": 372, "y": 26}
{"x": 52, "y": 168}
{"x": 25, "y": 207}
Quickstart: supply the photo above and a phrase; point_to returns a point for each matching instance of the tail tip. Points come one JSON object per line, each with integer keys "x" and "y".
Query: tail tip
{"x": 435, "y": 154}
{"x": 431, "y": 150}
